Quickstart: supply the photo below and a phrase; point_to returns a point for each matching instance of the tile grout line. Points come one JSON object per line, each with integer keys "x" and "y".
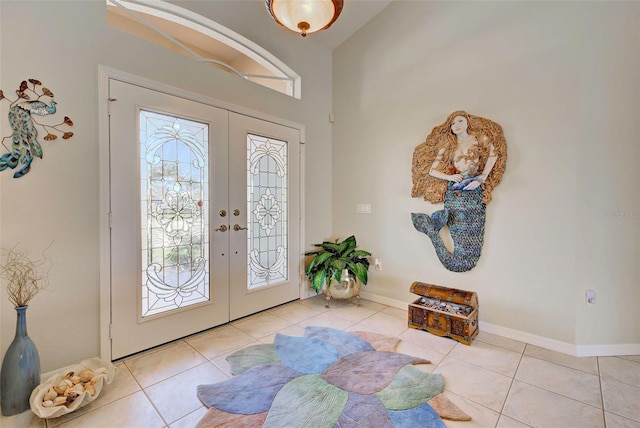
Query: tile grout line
{"x": 604, "y": 416}
{"x": 513, "y": 380}
{"x": 604, "y": 411}
{"x": 144, "y": 391}
{"x": 175, "y": 343}
{"x": 563, "y": 395}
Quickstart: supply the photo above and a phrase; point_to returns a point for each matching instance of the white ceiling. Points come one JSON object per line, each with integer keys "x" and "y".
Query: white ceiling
{"x": 355, "y": 13}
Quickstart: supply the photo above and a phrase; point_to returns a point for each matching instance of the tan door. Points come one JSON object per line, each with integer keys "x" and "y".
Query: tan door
{"x": 179, "y": 183}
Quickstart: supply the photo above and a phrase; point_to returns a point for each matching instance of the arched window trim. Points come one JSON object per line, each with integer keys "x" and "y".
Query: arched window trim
{"x": 212, "y": 29}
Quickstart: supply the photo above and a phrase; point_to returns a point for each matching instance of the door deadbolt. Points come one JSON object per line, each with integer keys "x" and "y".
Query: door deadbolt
{"x": 223, "y": 213}
{"x": 236, "y": 212}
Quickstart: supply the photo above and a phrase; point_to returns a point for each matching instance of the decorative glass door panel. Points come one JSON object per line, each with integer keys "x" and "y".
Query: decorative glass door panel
{"x": 264, "y": 198}
{"x": 267, "y": 208}
{"x": 174, "y": 209}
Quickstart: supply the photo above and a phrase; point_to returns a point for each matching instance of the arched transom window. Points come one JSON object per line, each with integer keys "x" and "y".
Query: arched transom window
{"x": 198, "y": 37}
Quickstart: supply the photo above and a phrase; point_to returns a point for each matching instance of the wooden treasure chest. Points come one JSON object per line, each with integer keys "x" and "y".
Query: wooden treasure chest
{"x": 445, "y": 312}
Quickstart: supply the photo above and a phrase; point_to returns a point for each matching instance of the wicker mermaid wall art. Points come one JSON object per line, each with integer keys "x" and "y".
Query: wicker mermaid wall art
{"x": 460, "y": 163}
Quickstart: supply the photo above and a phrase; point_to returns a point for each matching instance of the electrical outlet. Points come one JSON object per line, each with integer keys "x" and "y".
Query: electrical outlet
{"x": 590, "y": 297}
{"x": 377, "y": 264}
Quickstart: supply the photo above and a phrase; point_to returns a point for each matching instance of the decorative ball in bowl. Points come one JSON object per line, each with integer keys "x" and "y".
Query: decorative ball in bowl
{"x": 71, "y": 388}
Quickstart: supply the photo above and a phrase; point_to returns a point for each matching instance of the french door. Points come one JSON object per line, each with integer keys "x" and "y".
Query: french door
{"x": 204, "y": 208}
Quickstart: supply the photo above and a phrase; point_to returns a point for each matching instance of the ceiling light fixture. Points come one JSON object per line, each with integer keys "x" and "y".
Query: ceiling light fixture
{"x": 304, "y": 16}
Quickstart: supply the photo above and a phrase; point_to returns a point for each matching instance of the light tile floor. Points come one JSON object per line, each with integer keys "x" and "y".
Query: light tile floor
{"x": 499, "y": 382}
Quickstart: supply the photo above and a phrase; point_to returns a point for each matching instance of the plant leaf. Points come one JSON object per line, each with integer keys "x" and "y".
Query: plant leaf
{"x": 331, "y": 246}
{"x": 35, "y": 81}
{"x": 343, "y": 247}
{"x": 47, "y": 92}
{"x": 318, "y": 260}
{"x": 352, "y": 241}
{"x": 68, "y": 121}
{"x": 361, "y": 253}
{"x": 339, "y": 264}
{"x": 318, "y": 280}
{"x": 348, "y": 245}
{"x": 67, "y": 135}
{"x": 50, "y": 137}
{"x": 360, "y": 270}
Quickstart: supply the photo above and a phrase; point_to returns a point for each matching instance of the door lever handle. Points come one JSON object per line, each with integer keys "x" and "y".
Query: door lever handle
{"x": 222, "y": 228}
{"x": 237, "y": 227}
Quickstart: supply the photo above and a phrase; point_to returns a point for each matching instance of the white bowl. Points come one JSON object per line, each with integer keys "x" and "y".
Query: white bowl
{"x": 85, "y": 398}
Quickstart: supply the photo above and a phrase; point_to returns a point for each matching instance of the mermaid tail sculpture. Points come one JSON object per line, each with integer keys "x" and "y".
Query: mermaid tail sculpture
{"x": 464, "y": 213}
{"x": 460, "y": 163}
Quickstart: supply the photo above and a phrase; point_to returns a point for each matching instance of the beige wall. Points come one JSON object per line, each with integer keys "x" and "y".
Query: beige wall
{"x": 62, "y": 44}
{"x": 562, "y": 80}
{"x": 566, "y": 94}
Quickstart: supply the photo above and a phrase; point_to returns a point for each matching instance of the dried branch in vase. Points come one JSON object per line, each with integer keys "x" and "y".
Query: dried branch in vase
{"x": 25, "y": 277}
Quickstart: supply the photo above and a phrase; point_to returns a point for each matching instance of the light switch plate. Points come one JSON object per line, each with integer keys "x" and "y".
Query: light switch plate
{"x": 363, "y": 208}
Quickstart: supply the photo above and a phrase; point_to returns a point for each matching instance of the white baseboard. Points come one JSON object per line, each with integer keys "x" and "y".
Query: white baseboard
{"x": 608, "y": 350}
{"x": 605, "y": 350}
{"x": 384, "y": 300}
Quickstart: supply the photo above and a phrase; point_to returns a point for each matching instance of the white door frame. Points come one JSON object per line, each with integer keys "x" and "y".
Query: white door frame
{"x": 106, "y": 73}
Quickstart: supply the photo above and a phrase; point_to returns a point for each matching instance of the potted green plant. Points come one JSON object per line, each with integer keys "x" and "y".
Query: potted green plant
{"x": 338, "y": 268}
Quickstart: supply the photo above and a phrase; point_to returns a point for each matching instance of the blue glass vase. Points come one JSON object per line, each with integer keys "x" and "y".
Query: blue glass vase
{"x": 20, "y": 373}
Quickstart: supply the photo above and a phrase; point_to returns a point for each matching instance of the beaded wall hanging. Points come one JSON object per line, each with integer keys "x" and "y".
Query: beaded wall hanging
{"x": 24, "y": 139}
{"x": 460, "y": 163}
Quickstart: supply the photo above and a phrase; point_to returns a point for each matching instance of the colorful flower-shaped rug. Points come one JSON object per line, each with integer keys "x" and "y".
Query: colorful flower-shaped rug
{"x": 328, "y": 378}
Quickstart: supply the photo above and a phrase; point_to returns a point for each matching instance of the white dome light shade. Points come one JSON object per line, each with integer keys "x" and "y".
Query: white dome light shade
{"x": 304, "y": 16}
